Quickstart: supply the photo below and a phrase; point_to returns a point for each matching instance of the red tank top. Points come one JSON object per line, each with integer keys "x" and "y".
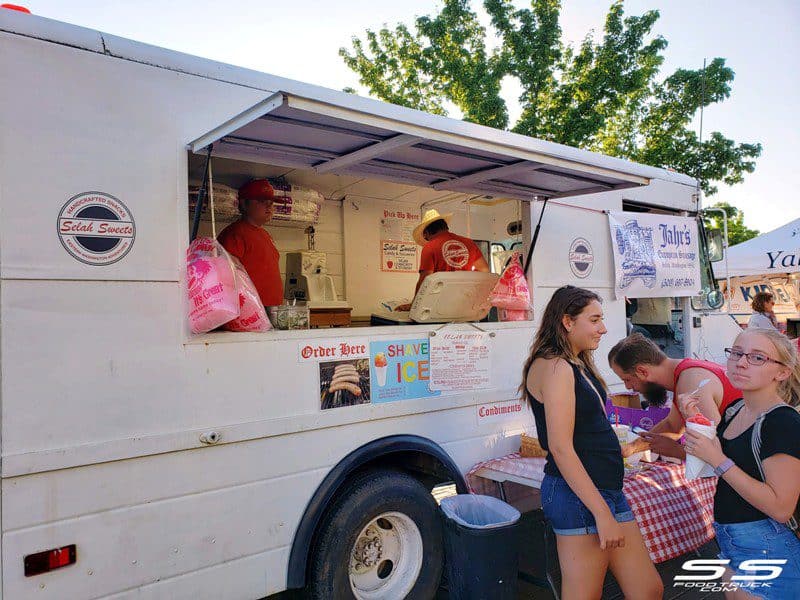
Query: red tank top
{"x": 729, "y": 393}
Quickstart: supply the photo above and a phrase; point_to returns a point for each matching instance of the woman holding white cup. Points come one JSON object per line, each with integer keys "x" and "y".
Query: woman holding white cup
{"x": 756, "y": 454}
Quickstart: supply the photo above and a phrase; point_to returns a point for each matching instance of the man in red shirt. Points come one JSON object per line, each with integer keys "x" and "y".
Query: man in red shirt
{"x": 643, "y": 367}
{"x": 247, "y": 240}
{"x": 443, "y": 250}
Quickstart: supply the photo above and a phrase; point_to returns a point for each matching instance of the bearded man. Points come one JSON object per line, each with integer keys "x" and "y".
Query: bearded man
{"x": 643, "y": 367}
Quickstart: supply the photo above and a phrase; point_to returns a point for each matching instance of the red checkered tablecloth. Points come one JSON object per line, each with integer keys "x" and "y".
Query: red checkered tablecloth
{"x": 674, "y": 515}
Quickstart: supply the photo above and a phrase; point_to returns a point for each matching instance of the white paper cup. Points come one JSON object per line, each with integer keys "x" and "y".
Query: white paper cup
{"x": 622, "y": 432}
{"x": 696, "y": 468}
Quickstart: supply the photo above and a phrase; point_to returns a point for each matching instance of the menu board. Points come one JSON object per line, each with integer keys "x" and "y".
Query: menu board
{"x": 460, "y": 360}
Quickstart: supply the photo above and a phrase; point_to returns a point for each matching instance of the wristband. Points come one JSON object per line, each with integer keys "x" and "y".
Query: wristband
{"x": 723, "y": 467}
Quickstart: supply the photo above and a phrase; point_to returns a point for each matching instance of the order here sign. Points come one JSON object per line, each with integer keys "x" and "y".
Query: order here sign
{"x": 334, "y": 349}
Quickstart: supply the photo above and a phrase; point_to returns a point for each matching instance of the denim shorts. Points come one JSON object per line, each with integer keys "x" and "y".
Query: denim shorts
{"x": 568, "y": 515}
{"x": 762, "y": 540}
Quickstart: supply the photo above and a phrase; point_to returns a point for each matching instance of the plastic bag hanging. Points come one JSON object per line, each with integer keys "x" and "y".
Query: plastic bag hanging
{"x": 252, "y": 316}
{"x": 213, "y": 299}
{"x": 512, "y": 291}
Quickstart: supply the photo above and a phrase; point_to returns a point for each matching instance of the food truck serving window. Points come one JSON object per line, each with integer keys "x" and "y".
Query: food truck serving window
{"x": 432, "y": 160}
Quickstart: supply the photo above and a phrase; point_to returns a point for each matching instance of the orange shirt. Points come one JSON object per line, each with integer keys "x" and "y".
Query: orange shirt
{"x": 254, "y": 247}
{"x": 449, "y": 252}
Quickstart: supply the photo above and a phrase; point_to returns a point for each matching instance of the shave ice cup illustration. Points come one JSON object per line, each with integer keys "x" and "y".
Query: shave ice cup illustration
{"x": 380, "y": 368}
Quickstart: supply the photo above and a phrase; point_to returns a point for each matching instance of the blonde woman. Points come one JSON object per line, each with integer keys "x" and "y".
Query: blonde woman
{"x": 756, "y": 454}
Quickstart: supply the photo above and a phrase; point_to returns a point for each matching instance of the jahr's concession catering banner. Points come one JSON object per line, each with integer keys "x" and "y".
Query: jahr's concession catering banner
{"x": 655, "y": 256}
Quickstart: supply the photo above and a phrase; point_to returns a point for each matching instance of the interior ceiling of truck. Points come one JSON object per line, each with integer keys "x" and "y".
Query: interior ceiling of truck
{"x": 280, "y": 132}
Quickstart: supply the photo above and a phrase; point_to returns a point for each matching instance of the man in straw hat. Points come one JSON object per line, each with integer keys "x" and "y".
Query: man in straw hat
{"x": 443, "y": 250}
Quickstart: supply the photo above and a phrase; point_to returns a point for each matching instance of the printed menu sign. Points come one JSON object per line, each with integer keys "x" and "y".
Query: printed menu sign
{"x": 460, "y": 360}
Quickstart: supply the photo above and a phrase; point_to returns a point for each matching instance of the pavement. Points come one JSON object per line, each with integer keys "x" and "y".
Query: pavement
{"x": 538, "y": 558}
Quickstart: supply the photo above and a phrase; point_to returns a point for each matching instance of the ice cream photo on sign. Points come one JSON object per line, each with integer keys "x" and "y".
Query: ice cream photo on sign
{"x": 381, "y": 365}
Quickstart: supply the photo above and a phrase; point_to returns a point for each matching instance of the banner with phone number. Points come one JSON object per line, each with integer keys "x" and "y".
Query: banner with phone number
{"x": 655, "y": 256}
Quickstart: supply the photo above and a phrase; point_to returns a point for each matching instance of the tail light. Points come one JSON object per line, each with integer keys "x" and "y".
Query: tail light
{"x": 49, "y": 560}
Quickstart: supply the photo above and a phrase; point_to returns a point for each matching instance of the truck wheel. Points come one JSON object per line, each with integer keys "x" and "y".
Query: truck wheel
{"x": 381, "y": 539}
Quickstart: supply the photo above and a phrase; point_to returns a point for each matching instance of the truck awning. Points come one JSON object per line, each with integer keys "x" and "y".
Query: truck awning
{"x": 288, "y": 130}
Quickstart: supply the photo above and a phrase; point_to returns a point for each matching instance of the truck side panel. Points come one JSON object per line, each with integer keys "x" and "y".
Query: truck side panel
{"x": 213, "y": 505}
{"x": 74, "y": 121}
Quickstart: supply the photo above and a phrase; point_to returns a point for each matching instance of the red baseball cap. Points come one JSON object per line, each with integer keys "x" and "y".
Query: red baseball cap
{"x": 258, "y": 189}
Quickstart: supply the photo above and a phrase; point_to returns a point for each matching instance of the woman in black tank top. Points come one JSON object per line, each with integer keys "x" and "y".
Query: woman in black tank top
{"x": 582, "y": 489}
{"x": 756, "y": 454}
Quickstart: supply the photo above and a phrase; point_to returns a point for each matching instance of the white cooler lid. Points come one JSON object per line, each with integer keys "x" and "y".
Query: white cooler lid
{"x": 457, "y": 296}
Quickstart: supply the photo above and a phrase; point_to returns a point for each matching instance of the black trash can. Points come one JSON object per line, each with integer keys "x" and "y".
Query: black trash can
{"x": 480, "y": 541}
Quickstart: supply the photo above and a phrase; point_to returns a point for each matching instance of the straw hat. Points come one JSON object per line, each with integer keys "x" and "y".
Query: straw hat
{"x": 429, "y": 217}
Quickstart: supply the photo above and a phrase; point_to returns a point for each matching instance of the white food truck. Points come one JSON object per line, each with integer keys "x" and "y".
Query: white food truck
{"x": 141, "y": 461}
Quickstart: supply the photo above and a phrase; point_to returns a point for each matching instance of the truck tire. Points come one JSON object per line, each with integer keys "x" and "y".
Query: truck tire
{"x": 381, "y": 539}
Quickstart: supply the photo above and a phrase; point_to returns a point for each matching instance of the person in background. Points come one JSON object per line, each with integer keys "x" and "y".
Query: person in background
{"x": 443, "y": 250}
{"x": 643, "y": 367}
{"x": 763, "y": 312}
{"x": 247, "y": 240}
{"x": 582, "y": 489}
{"x": 754, "y": 504}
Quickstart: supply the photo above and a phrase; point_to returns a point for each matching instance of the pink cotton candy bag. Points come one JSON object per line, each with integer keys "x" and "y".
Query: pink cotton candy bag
{"x": 512, "y": 290}
{"x": 213, "y": 298}
{"x": 252, "y": 316}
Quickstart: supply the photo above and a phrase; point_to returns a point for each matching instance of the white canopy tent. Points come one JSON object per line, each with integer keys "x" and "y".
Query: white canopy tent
{"x": 773, "y": 253}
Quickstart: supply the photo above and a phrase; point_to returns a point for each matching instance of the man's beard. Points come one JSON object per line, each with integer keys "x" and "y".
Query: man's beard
{"x": 656, "y": 395}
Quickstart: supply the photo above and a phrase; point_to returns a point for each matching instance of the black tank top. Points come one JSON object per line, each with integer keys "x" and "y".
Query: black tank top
{"x": 593, "y": 439}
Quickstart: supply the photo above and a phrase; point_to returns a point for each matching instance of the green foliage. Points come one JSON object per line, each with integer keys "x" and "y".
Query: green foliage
{"x": 605, "y": 96}
{"x": 738, "y": 232}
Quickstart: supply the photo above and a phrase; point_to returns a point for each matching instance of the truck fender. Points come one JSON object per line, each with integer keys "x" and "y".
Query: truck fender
{"x": 370, "y": 452}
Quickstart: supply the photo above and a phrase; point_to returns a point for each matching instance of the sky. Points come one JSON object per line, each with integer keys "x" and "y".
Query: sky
{"x": 301, "y": 39}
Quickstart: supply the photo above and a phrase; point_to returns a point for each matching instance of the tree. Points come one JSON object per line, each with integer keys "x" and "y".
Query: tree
{"x": 604, "y": 96}
{"x": 738, "y": 232}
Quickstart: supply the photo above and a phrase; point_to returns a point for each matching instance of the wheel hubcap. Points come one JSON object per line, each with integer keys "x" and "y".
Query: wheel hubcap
{"x": 386, "y": 558}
